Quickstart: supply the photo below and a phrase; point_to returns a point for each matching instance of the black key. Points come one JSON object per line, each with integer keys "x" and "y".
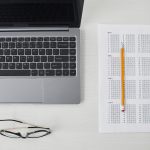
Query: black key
{"x": 41, "y": 72}
{"x": 58, "y": 72}
{"x": 2, "y": 39}
{"x": 34, "y": 72}
{"x": 0, "y": 45}
{"x": 63, "y": 51}
{"x": 29, "y": 58}
{"x": 34, "y": 51}
{"x": 18, "y": 45}
{"x": 43, "y": 58}
{"x": 53, "y": 44}
{"x": 65, "y": 65}
{"x": 15, "y": 58}
{"x": 5, "y": 65}
{"x": 72, "y": 51}
{"x": 65, "y": 72}
{"x": 46, "y": 38}
{"x": 14, "y": 39}
{"x": 72, "y": 58}
{"x": 50, "y": 72}
{"x": 32, "y": 44}
{"x": 56, "y": 65}
{"x": 36, "y": 58}
{"x": 55, "y": 51}
{"x": 41, "y": 51}
{"x": 11, "y": 45}
{"x": 46, "y": 65}
{"x": 40, "y": 65}
{"x": 39, "y": 44}
{"x": 14, "y": 52}
{"x": 65, "y": 38}
{"x": 40, "y": 39}
{"x": 59, "y": 38}
{"x": 62, "y": 44}
{"x": 72, "y": 45}
{"x": 61, "y": 59}
{"x": 72, "y": 38}
{"x": 14, "y": 72}
{"x": 32, "y": 65}
{"x": 22, "y": 58}
{"x": 52, "y": 39}
{"x": 27, "y": 51}
{"x": 25, "y": 65}
{"x": 72, "y": 65}
{"x": 33, "y": 39}
{"x": 2, "y": 58}
{"x": 20, "y": 51}
{"x": 12, "y": 65}
{"x": 46, "y": 44}
{"x": 8, "y": 58}
{"x": 7, "y": 51}
{"x": 50, "y": 58}
{"x": 20, "y": 39}
{"x": 25, "y": 45}
{"x": 8, "y": 39}
{"x": 27, "y": 39}
{"x": 1, "y": 51}
{"x": 72, "y": 72}
{"x": 48, "y": 51}
{"x": 5, "y": 45}
{"x": 19, "y": 65}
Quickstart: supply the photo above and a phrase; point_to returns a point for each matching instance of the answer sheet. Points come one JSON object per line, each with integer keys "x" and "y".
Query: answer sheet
{"x": 136, "y": 41}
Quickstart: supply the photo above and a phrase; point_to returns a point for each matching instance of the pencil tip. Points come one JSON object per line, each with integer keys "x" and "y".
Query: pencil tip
{"x": 121, "y": 45}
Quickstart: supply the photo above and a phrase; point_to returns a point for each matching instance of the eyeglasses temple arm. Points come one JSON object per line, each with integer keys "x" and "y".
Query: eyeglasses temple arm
{"x": 30, "y": 124}
{"x": 12, "y": 128}
{"x": 34, "y": 126}
{"x": 42, "y": 128}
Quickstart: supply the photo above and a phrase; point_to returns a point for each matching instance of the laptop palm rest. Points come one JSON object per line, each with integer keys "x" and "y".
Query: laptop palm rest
{"x": 21, "y": 90}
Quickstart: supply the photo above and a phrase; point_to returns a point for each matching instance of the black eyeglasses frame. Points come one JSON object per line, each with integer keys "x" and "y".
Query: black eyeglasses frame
{"x": 46, "y": 130}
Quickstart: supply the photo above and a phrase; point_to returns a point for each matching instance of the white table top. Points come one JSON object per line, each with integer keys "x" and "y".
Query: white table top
{"x": 75, "y": 127}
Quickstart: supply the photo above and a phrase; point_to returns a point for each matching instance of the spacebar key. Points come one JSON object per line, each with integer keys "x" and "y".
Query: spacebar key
{"x": 14, "y": 72}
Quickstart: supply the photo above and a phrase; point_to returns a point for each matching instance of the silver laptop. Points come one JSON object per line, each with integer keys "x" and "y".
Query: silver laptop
{"x": 40, "y": 51}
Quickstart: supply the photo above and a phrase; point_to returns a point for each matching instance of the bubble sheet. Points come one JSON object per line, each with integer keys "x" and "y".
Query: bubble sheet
{"x": 145, "y": 66}
{"x": 130, "y": 43}
{"x": 114, "y": 43}
{"x": 136, "y": 44}
{"x": 146, "y": 113}
{"x": 130, "y": 113}
{"x": 145, "y": 43}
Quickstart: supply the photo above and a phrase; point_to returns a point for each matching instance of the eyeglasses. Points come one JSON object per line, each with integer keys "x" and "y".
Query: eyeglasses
{"x": 35, "y": 134}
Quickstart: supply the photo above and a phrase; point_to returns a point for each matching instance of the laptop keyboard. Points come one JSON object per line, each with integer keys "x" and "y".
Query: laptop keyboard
{"x": 37, "y": 56}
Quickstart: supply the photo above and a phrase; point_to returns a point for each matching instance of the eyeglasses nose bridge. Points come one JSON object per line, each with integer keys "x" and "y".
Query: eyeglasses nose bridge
{"x": 27, "y": 135}
{"x": 24, "y": 137}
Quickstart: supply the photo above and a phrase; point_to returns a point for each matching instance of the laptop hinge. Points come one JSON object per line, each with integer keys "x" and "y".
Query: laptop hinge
{"x": 19, "y": 29}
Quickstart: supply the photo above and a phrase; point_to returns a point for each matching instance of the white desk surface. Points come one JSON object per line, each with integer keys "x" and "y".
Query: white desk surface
{"x": 75, "y": 127}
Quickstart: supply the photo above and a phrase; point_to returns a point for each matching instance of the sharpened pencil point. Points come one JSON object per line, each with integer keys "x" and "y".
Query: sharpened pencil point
{"x": 121, "y": 45}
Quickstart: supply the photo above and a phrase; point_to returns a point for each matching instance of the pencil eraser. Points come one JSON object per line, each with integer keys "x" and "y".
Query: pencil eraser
{"x": 122, "y": 110}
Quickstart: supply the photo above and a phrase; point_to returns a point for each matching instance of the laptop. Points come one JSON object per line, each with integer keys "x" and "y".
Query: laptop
{"x": 40, "y": 51}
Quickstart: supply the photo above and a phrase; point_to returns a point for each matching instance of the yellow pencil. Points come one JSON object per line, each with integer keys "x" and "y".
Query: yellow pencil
{"x": 122, "y": 78}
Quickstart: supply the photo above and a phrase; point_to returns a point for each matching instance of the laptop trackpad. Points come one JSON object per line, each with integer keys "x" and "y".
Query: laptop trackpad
{"x": 21, "y": 90}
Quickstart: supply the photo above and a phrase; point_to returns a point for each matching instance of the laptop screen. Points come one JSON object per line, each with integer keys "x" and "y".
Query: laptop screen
{"x": 40, "y": 12}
